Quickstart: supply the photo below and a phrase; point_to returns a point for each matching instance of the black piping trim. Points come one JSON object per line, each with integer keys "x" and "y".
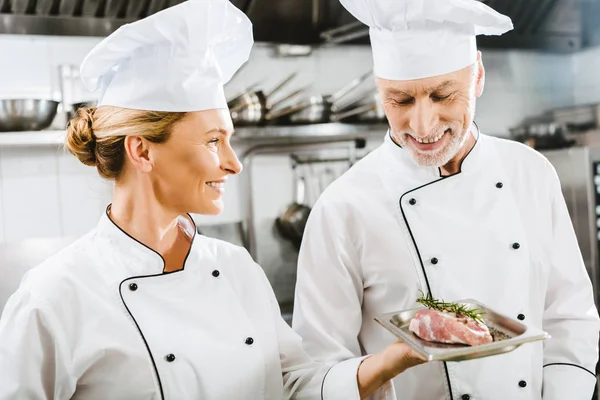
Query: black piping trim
{"x": 448, "y": 380}
{"x": 415, "y": 242}
{"x": 323, "y": 383}
{"x": 162, "y": 395}
{"x": 573, "y": 365}
{"x": 154, "y": 251}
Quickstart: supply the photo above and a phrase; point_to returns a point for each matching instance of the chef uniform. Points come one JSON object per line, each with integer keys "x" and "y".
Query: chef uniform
{"x": 498, "y": 231}
{"x": 102, "y": 320}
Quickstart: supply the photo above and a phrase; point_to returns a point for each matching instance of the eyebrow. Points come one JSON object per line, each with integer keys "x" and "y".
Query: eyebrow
{"x": 219, "y": 130}
{"x": 443, "y": 85}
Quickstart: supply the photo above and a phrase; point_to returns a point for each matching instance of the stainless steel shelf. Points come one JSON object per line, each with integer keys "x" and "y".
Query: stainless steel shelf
{"x": 267, "y": 134}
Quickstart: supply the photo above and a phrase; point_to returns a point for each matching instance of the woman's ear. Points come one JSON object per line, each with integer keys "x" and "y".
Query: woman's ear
{"x": 138, "y": 153}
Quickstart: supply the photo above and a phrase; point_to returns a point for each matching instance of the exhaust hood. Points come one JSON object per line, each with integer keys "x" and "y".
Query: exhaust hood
{"x": 551, "y": 25}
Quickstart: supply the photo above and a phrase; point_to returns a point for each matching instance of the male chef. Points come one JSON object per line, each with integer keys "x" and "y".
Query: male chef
{"x": 442, "y": 208}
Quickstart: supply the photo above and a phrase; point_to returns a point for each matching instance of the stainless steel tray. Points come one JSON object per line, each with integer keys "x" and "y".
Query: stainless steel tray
{"x": 508, "y": 335}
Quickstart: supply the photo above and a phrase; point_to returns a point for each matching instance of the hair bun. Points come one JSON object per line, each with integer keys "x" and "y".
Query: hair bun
{"x": 80, "y": 140}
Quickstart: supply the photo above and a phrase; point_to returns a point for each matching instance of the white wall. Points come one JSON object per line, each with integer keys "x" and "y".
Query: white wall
{"x": 586, "y": 87}
{"x": 47, "y": 193}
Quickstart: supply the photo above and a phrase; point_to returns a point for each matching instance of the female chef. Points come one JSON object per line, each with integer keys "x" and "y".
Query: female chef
{"x": 142, "y": 307}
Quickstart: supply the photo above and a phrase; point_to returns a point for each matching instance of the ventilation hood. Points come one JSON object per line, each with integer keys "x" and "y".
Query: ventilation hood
{"x": 553, "y": 25}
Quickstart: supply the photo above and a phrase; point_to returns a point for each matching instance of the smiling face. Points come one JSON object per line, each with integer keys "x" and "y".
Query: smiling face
{"x": 190, "y": 169}
{"x": 431, "y": 117}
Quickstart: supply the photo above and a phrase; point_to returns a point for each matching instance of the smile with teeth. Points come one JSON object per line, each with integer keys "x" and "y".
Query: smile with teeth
{"x": 430, "y": 140}
{"x": 216, "y": 185}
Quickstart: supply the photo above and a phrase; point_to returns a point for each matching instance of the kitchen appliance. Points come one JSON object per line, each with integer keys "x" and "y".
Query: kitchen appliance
{"x": 578, "y": 169}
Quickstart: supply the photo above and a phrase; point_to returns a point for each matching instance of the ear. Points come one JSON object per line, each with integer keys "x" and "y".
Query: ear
{"x": 479, "y": 75}
{"x": 138, "y": 153}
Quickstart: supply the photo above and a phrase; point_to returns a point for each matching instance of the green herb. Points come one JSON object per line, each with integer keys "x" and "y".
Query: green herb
{"x": 460, "y": 310}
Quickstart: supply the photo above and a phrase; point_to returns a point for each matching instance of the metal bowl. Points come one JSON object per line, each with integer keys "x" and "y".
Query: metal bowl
{"x": 26, "y": 114}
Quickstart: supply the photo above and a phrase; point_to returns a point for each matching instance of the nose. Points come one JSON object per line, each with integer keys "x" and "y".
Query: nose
{"x": 423, "y": 118}
{"x": 230, "y": 162}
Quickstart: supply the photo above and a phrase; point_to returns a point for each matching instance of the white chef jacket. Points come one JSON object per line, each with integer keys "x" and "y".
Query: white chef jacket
{"x": 100, "y": 320}
{"x": 498, "y": 232}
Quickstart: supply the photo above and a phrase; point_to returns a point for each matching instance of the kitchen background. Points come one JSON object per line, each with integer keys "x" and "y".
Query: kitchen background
{"x": 542, "y": 87}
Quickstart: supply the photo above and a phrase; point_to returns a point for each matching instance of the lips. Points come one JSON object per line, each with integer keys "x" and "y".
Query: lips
{"x": 218, "y": 185}
{"x": 429, "y": 143}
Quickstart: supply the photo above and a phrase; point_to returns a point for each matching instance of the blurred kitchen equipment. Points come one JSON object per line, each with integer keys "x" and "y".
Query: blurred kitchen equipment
{"x": 232, "y": 232}
{"x": 316, "y": 109}
{"x": 543, "y": 135}
{"x": 26, "y": 114}
{"x": 345, "y": 33}
{"x": 252, "y": 106}
{"x": 369, "y": 112}
{"x": 292, "y": 221}
{"x": 578, "y": 118}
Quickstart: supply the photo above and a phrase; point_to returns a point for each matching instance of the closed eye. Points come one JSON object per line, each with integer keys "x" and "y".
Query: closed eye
{"x": 404, "y": 102}
{"x": 436, "y": 97}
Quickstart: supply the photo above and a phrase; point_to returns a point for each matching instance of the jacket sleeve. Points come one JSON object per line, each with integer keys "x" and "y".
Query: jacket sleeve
{"x": 32, "y": 360}
{"x": 570, "y": 316}
{"x": 329, "y": 289}
{"x": 303, "y": 377}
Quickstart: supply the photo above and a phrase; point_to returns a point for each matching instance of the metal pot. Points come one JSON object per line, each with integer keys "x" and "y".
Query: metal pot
{"x": 316, "y": 109}
{"x": 252, "y": 106}
{"x": 26, "y": 114}
{"x": 371, "y": 112}
{"x": 292, "y": 221}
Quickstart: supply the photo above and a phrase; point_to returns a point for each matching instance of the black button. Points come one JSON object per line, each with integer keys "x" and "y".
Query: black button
{"x": 133, "y": 286}
{"x": 216, "y": 273}
{"x": 249, "y": 341}
{"x": 434, "y": 260}
{"x": 465, "y": 397}
{"x": 516, "y": 246}
{"x": 523, "y": 384}
{"x": 521, "y": 317}
{"x": 499, "y": 185}
{"x": 412, "y": 202}
{"x": 170, "y": 357}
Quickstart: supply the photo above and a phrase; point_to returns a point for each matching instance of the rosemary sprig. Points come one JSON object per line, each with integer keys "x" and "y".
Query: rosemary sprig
{"x": 460, "y": 310}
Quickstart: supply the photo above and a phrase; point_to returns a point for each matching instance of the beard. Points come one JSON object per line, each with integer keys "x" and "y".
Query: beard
{"x": 454, "y": 137}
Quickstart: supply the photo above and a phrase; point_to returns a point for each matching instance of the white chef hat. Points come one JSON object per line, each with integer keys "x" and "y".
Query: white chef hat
{"x": 175, "y": 60}
{"x": 414, "y": 39}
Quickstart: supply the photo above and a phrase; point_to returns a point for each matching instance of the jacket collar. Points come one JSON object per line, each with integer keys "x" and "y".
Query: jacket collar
{"x": 401, "y": 160}
{"x": 129, "y": 256}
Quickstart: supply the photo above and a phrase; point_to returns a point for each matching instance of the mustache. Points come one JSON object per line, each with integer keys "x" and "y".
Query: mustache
{"x": 432, "y": 133}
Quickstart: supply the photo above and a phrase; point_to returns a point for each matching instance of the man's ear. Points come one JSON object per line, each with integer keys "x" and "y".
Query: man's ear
{"x": 479, "y": 75}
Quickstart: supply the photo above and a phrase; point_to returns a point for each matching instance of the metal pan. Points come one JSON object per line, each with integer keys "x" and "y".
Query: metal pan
{"x": 371, "y": 112}
{"x": 508, "y": 334}
{"x": 292, "y": 221}
{"x": 252, "y": 106}
{"x": 316, "y": 109}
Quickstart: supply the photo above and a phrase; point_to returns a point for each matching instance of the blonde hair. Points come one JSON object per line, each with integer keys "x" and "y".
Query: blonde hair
{"x": 96, "y": 136}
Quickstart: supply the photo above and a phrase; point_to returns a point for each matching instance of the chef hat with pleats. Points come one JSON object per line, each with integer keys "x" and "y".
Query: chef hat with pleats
{"x": 175, "y": 60}
{"x": 414, "y": 39}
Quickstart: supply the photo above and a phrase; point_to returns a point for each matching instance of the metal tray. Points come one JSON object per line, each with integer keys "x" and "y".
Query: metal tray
{"x": 508, "y": 335}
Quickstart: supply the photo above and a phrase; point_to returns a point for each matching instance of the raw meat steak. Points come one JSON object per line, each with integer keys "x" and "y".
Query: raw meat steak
{"x": 444, "y": 327}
